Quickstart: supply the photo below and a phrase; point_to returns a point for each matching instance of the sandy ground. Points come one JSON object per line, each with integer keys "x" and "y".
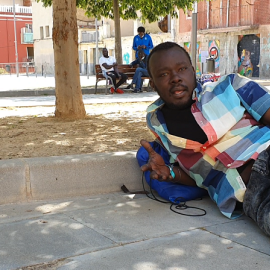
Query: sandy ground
{"x": 107, "y": 128}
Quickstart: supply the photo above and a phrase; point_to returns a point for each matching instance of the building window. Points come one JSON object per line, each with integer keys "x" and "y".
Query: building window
{"x": 47, "y": 31}
{"x": 28, "y": 28}
{"x": 41, "y": 32}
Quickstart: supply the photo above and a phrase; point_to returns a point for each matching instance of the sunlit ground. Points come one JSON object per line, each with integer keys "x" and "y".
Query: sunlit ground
{"x": 107, "y": 128}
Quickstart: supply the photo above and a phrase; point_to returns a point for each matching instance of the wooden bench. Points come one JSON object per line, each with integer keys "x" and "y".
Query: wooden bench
{"x": 129, "y": 71}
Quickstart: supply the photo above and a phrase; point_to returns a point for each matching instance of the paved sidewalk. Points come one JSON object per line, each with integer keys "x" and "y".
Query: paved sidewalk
{"x": 82, "y": 230}
{"x": 120, "y": 232}
{"x": 13, "y": 85}
{"x": 12, "y": 82}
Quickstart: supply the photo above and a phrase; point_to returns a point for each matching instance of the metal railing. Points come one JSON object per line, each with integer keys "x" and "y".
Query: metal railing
{"x": 18, "y": 9}
{"x": 27, "y": 38}
{"x": 24, "y": 68}
{"x": 27, "y": 68}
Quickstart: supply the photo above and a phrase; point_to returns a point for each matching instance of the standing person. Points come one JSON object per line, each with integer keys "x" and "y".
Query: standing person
{"x": 141, "y": 71}
{"x": 142, "y": 41}
{"x": 217, "y": 135}
{"x": 109, "y": 68}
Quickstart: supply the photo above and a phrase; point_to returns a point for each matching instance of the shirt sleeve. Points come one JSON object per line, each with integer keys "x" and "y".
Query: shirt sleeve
{"x": 254, "y": 97}
{"x": 101, "y": 62}
{"x": 150, "y": 45}
{"x": 135, "y": 62}
{"x": 134, "y": 46}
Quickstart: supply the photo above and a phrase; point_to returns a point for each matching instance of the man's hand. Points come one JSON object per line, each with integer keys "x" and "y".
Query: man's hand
{"x": 155, "y": 164}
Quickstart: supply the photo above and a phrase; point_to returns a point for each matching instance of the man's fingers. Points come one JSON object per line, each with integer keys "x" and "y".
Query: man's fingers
{"x": 147, "y": 146}
{"x": 146, "y": 167}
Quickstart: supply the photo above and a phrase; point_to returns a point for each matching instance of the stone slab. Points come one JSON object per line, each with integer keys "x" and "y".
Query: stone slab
{"x": 12, "y": 181}
{"x": 191, "y": 250}
{"x": 80, "y": 175}
{"x": 34, "y": 241}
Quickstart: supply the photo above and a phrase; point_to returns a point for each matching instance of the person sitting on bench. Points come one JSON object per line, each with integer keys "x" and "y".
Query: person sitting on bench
{"x": 141, "y": 71}
{"x": 109, "y": 68}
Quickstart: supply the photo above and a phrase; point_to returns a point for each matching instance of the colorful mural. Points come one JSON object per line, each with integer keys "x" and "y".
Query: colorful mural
{"x": 214, "y": 50}
{"x": 248, "y": 50}
{"x": 126, "y": 57}
{"x": 187, "y": 47}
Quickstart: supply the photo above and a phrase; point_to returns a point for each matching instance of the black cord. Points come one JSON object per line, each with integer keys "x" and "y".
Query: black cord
{"x": 180, "y": 206}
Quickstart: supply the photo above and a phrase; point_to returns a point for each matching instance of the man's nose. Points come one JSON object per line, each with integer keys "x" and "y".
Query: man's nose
{"x": 176, "y": 77}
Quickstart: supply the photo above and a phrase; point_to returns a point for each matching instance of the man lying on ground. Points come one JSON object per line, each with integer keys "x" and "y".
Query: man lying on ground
{"x": 217, "y": 135}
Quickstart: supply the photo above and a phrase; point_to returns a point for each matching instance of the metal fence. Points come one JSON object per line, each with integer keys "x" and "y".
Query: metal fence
{"x": 26, "y": 68}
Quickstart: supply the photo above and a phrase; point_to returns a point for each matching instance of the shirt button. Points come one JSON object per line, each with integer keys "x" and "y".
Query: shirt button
{"x": 229, "y": 165}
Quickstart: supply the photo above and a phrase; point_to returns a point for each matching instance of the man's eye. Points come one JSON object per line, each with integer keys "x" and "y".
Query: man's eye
{"x": 163, "y": 74}
{"x": 183, "y": 68}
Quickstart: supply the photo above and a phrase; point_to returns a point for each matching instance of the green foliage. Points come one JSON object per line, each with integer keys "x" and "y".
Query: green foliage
{"x": 150, "y": 10}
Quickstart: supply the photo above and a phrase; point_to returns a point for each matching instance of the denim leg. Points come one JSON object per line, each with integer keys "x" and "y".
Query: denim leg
{"x": 136, "y": 74}
{"x": 256, "y": 202}
{"x": 140, "y": 72}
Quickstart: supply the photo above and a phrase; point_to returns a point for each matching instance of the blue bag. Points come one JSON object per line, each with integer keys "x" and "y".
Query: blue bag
{"x": 166, "y": 190}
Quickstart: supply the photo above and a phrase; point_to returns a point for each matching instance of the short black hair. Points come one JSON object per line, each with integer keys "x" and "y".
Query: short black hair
{"x": 162, "y": 47}
{"x": 141, "y": 29}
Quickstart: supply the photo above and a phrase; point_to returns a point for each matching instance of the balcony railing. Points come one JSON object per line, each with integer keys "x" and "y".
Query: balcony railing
{"x": 18, "y": 9}
{"x": 88, "y": 37}
{"x": 245, "y": 15}
{"x": 28, "y": 38}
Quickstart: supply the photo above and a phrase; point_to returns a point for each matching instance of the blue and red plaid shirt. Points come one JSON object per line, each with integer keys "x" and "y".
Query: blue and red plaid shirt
{"x": 228, "y": 111}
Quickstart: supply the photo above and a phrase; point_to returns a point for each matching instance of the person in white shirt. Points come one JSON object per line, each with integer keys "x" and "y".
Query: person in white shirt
{"x": 109, "y": 68}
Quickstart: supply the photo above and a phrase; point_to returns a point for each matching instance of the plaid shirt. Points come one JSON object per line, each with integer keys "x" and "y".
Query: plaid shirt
{"x": 228, "y": 111}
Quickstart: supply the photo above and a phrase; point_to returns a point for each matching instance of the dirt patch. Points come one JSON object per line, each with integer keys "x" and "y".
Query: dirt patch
{"x": 107, "y": 128}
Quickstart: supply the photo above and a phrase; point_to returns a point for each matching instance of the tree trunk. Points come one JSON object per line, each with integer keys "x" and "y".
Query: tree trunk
{"x": 118, "y": 46}
{"x": 69, "y": 102}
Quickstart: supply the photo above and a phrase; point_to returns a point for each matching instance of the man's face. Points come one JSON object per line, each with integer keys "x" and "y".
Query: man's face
{"x": 105, "y": 52}
{"x": 141, "y": 55}
{"x": 173, "y": 77}
{"x": 141, "y": 34}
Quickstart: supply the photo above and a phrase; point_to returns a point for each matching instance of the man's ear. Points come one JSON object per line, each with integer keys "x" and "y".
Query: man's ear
{"x": 152, "y": 84}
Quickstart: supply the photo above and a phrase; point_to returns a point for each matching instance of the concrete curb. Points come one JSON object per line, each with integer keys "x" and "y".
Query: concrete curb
{"x": 59, "y": 177}
{"x": 51, "y": 92}
{"x": 44, "y": 92}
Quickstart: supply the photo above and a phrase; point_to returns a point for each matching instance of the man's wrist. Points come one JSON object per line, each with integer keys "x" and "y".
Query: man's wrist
{"x": 171, "y": 170}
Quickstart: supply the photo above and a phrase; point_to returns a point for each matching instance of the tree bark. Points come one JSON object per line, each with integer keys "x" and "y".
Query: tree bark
{"x": 69, "y": 102}
{"x": 118, "y": 47}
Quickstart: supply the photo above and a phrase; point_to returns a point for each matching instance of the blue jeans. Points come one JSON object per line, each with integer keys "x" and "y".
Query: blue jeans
{"x": 256, "y": 204}
{"x": 137, "y": 78}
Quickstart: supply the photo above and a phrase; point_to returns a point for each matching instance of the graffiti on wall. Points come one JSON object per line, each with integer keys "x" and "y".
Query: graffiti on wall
{"x": 214, "y": 50}
{"x": 248, "y": 50}
{"x": 126, "y": 58}
{"x": 187, "y": 47}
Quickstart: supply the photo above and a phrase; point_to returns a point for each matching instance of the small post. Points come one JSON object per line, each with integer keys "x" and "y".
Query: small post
{"x": 194, "y": 36}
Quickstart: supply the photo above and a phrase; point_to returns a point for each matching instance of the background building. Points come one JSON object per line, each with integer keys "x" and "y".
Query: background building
{"x": 24, "y": 32}
{"x": 231, "y": 31}
{"x": 87, "y": 33}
